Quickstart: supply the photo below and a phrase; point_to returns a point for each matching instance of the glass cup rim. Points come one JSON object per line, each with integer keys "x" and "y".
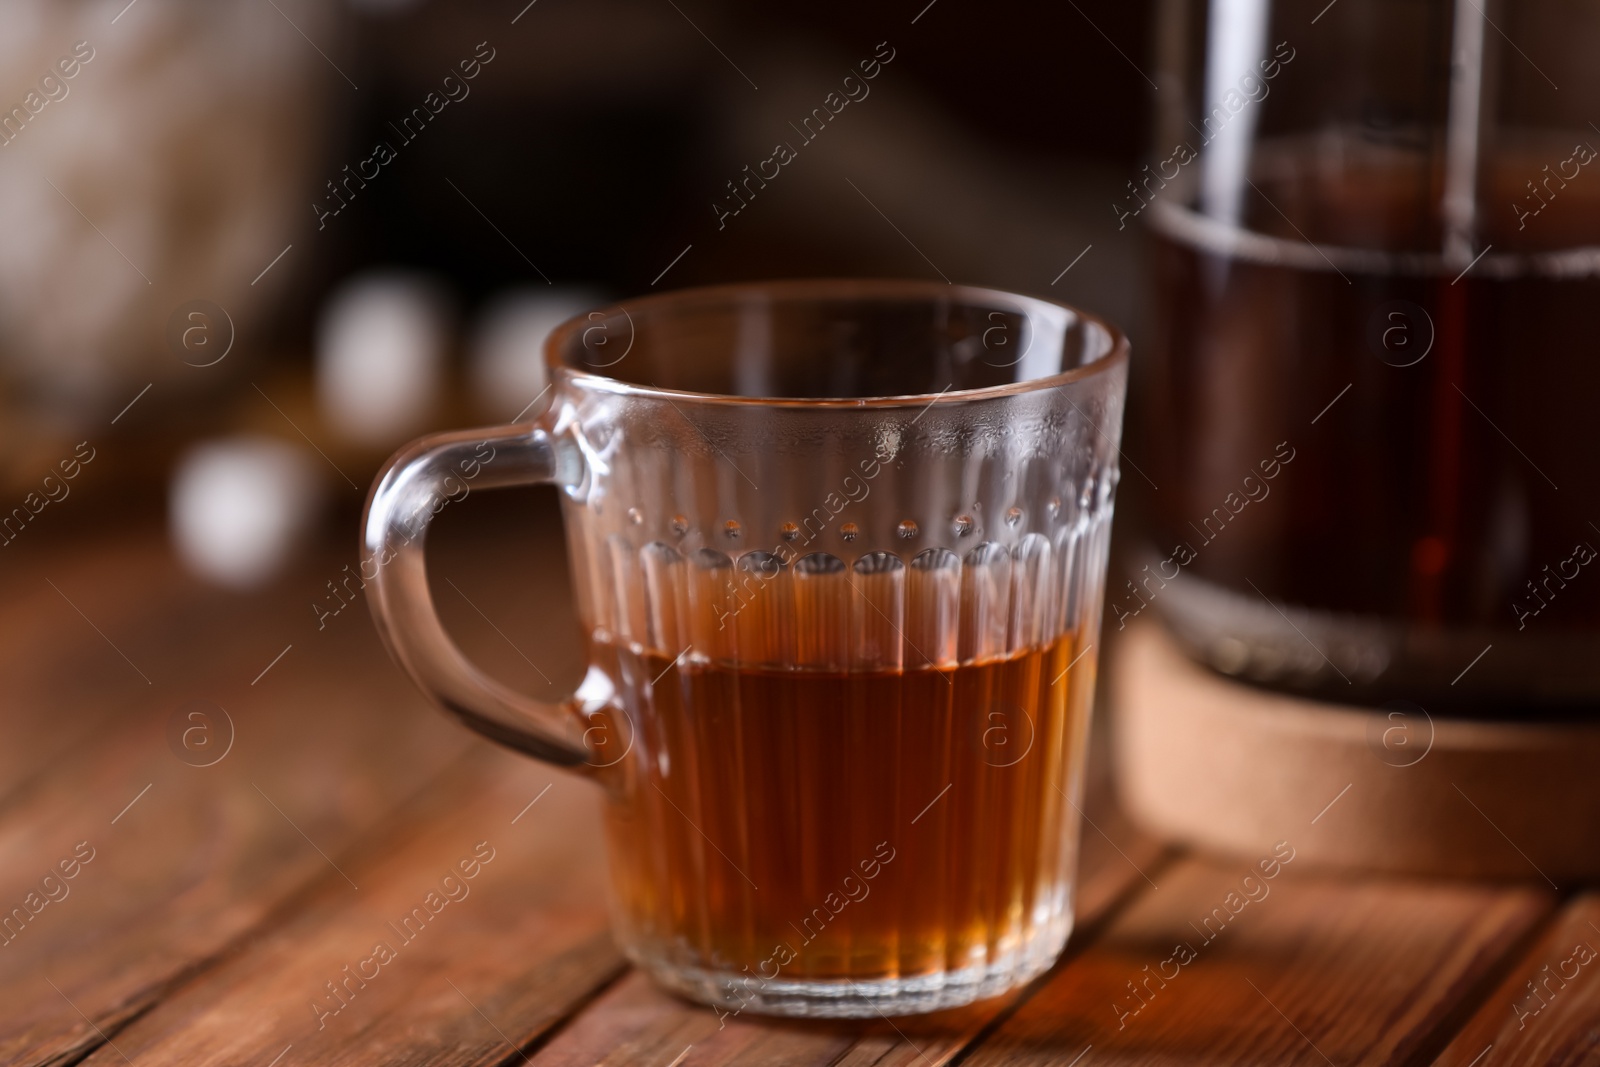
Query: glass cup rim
{"x": 1115, "y": 355}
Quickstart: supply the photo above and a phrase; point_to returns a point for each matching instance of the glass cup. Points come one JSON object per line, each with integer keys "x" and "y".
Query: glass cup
{"x": 839, "y": 548}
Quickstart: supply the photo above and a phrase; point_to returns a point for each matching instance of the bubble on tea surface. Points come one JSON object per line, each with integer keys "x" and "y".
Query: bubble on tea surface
{"x": 506, "y": 363}
{"x": 240, "y": 506}
{"x": 380, "y": 350}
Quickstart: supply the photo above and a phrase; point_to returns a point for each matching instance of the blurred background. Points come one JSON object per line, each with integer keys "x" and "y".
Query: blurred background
{"x": 253, "y": 246}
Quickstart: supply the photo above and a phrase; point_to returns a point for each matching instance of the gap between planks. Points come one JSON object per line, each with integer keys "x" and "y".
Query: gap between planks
{"x": 1461, "y": 1014}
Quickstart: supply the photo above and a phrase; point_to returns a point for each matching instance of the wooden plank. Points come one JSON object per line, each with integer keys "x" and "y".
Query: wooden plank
{"x": 1298, "y": 969}
{"x": 637, "y": 1023}
{"x": 66, "y": 671}
{"x": 327, "y": 741}
{"x": 1544, "y": 1010}
{"x": 514, "y": 941}
{"x": 185, "y": 859}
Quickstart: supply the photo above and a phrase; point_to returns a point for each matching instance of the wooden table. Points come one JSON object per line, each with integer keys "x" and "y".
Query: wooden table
{"x": 212, "y": 908}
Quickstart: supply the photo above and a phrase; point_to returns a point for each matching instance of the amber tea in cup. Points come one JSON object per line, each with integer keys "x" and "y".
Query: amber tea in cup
{"x": 839, "y": 548}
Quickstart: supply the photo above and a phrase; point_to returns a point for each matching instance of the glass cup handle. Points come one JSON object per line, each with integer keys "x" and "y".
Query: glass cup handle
{"x": 415, "y": 485}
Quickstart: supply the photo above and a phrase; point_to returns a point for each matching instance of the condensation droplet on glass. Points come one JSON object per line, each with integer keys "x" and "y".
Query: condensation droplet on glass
{"x": 849, "y": 531}
{"x": 789, "y": 531}
{"x": 680, "y": 525}
{"x": 732, "y": 529}
{"x": 1054, "y": 506}
{"x": 907, "y": 528}
{"x": 635, "y": 516}
{"x": 963, "y": 525}
{"x": 1013, "y": 516}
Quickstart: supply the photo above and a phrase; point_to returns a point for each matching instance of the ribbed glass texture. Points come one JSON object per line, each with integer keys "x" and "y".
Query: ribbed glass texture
{"x": 848, "y": 648}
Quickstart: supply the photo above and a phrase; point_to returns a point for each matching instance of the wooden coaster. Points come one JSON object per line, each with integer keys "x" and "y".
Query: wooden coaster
{"x": 1233, "y": 768}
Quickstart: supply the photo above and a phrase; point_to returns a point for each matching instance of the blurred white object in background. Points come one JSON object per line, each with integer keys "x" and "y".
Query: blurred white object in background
{"x": 240, "y": 506}
{"x": 507, "y": 361}
{"x": 380, "y": 352}
{"x": 173, "y": 165}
